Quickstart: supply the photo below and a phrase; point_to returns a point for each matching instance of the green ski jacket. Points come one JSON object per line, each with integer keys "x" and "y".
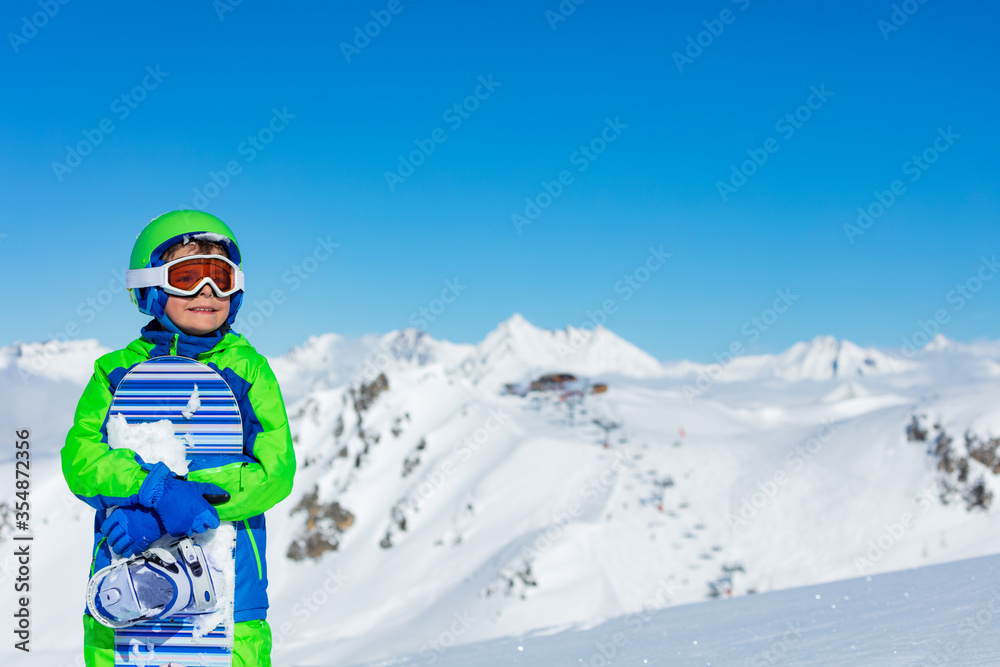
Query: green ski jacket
{"x": 256, "y": 480}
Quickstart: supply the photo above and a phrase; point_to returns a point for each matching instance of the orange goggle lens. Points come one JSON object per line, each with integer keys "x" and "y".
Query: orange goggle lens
{"x": 185, "y": 275}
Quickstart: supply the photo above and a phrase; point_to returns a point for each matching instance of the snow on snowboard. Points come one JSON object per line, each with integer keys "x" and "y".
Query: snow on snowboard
{"x": 177, "y": 411}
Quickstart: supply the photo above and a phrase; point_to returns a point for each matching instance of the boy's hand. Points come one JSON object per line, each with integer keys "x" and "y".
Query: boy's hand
{"x": 132, "y": 530}
{"x": 180, "y": 503}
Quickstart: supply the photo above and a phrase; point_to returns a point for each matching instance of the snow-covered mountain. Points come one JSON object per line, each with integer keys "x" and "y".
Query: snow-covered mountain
{"x": 40, "y": 384}
{"x": 826, "y": 357}
{"x": 71, "y": 361}
{"x": 822, "y": 358}
{"x": 331, "y": 360}
{"x": 517, "y": 350}
{"x": 432, "y": 507}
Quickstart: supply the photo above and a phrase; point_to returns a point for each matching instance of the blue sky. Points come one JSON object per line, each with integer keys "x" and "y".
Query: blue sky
{"x": 887, "y": 95}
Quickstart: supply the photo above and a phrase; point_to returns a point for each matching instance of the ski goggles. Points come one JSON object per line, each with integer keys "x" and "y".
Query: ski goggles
{"x": 186, "y": 276}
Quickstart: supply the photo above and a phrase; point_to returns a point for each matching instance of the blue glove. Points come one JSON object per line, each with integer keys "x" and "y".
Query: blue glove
{"x": 179, "y": 503}
{"x": 130, "y": 531}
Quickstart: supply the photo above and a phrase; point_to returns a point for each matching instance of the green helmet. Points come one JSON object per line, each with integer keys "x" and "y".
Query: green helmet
{"x": 165, "y": 231}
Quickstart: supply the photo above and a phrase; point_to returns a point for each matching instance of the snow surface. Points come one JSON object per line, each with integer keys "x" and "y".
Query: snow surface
{"x": 40, "y": 385}
{"x": 154, "y": 442}
{"x": 767, "y": 473}
{"x": 938, "y": 615}
{"x": 211, "y": 237}
{"x": 217, "y": 546}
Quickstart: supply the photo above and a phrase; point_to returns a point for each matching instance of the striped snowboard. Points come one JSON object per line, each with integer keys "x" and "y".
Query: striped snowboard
{"x": 162, "y": 388}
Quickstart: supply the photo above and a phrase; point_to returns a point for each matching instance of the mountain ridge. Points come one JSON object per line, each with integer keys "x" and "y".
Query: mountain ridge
{"x": 512, "y": 351}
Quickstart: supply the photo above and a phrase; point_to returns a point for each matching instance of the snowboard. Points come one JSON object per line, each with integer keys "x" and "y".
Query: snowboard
{"x": 206, "y": 421}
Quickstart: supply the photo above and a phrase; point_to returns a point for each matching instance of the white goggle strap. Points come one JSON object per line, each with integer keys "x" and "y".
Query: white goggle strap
{"x": 154, "y": 277}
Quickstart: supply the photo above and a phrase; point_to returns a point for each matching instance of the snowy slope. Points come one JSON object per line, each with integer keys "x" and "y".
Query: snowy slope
{"x": 939, "y": 615}
{"x": 446, "y": 498}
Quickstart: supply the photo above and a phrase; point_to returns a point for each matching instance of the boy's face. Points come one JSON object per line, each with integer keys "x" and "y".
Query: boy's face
{"x": 199, "y": 314}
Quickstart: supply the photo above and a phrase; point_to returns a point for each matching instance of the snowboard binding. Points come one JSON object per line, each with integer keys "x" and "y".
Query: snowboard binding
{"x": 153, "y": 585}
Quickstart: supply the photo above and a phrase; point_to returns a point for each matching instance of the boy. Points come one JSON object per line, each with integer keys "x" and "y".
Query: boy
{"x": 196, "y": 325}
